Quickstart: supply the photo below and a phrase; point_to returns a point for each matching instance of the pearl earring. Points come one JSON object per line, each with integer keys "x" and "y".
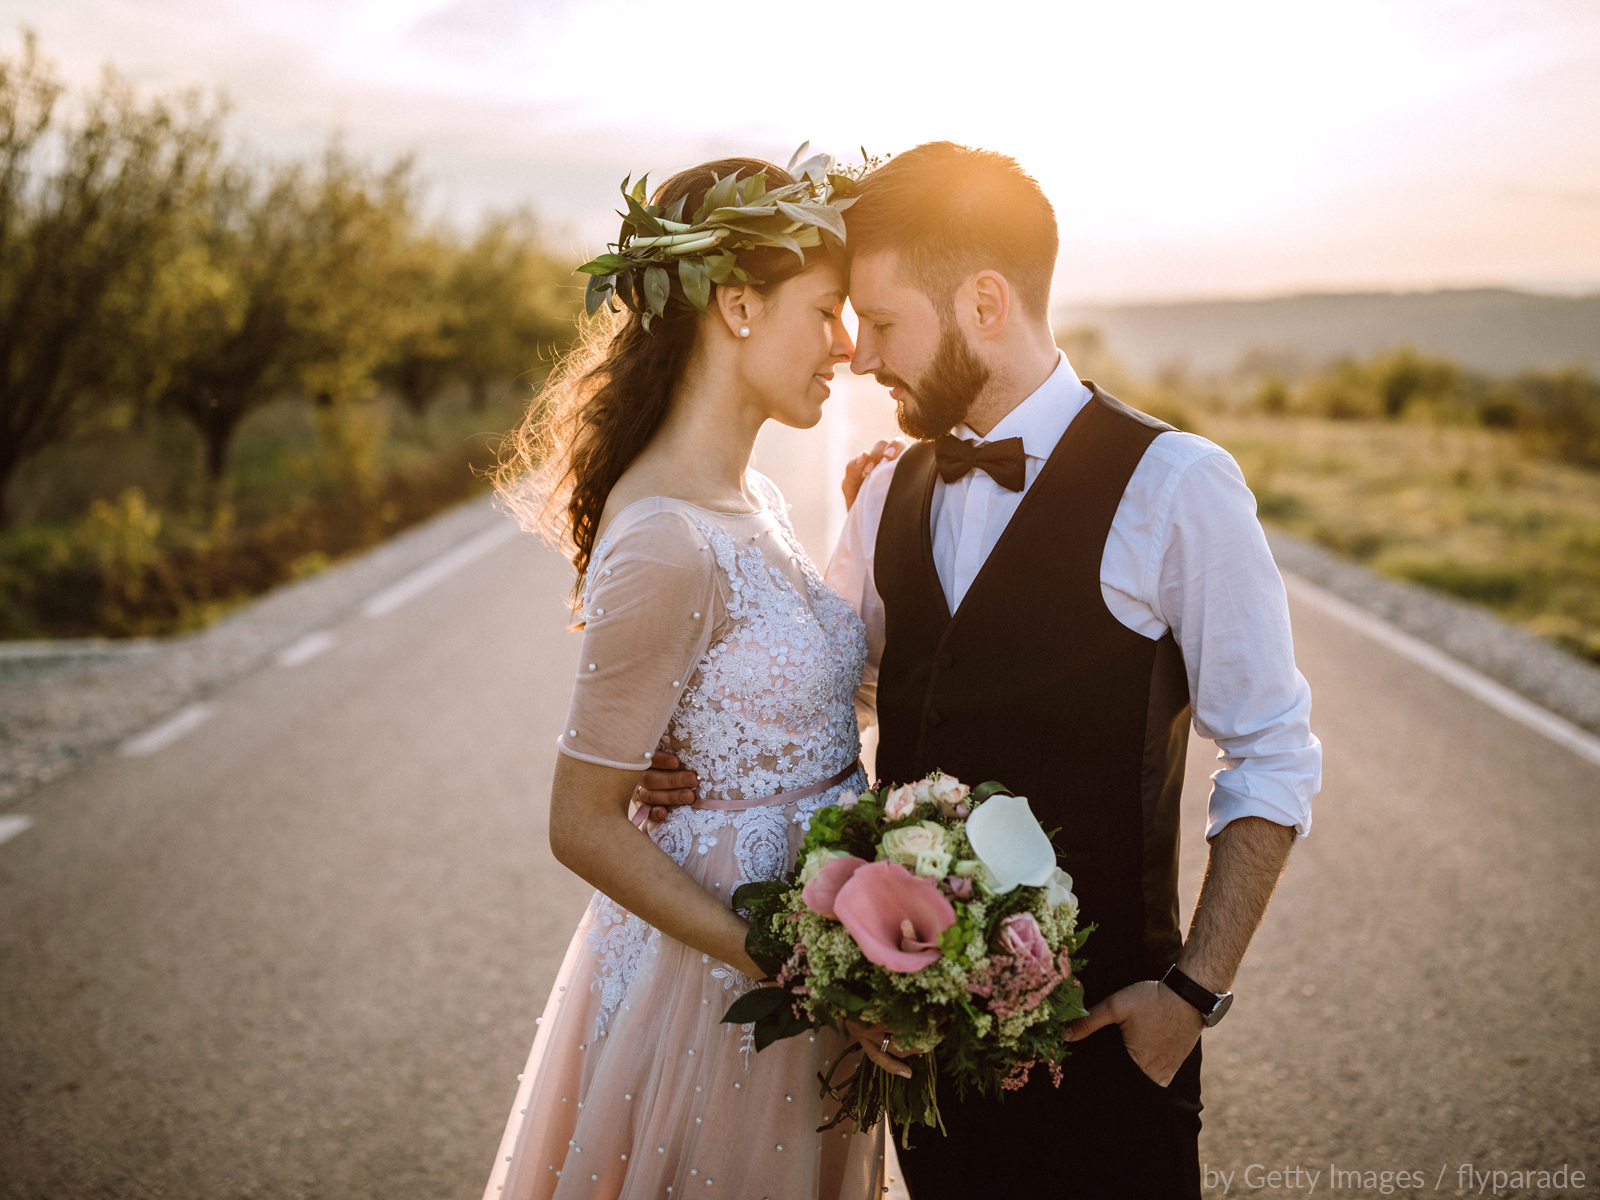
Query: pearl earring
{"x": 744, "y": 331}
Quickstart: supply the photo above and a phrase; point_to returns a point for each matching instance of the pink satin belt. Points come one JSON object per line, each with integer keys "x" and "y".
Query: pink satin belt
{"x": 642, "y": 817}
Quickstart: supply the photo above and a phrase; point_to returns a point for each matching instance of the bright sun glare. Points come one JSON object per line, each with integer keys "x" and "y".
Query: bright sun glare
{"x": 1240, "y": 145}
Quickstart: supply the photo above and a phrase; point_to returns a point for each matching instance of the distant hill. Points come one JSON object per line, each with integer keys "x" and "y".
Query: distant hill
{"x": 1493, "y": 329}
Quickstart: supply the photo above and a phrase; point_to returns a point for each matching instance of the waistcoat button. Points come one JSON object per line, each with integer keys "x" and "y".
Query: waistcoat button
{"x": 933, "y": 718}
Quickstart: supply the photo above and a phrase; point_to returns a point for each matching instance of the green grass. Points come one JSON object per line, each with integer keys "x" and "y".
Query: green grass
{"x": 1464, "y": 510}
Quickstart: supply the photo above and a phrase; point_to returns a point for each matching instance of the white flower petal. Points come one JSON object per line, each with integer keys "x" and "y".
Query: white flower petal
{"x": 1009, "y": 841}
{"x": 1058, "y": 889}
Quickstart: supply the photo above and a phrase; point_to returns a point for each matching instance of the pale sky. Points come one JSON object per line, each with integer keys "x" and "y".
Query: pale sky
{"x": 1227, "y": 148}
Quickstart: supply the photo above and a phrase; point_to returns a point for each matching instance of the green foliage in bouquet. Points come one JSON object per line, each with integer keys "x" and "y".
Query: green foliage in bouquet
{"x": 995, "y": 1000}
{"x": 659, "y": 245}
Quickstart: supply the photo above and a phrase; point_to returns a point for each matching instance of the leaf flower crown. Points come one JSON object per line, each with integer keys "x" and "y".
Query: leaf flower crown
{"x": 736, "y": 214}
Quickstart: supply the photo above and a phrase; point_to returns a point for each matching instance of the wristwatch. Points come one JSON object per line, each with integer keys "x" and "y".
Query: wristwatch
{"x": 1213, "y": 1006}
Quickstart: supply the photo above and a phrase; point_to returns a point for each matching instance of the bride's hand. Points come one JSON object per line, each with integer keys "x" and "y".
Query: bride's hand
{"x": 859, "y": 467}
{"x": 873, "y": 1039}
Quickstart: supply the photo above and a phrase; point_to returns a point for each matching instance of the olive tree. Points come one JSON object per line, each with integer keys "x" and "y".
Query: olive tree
{"x": 87, "y": 197}
{"x": 302, "y": 267}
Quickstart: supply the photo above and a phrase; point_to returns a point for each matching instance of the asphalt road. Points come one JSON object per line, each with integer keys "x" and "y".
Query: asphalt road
{"x": 299, "y": 951}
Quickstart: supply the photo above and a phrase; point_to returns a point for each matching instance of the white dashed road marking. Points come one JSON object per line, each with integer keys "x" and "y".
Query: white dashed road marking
{"x": 1476, "y": 684}
{"x": 307, "y": 648}
{"x": 439, "y": 569}
{"x": 12, "y": 824}
{"x": 159, "y": 737}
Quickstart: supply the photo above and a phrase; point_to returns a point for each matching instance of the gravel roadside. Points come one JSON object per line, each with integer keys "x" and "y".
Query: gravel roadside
{"x": 62, "y": 705}
{"x": 1539, "y": 670}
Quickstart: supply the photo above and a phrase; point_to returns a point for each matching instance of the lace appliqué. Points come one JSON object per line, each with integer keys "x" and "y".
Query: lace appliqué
{"x": 760, "y": 835}
{"x": 619, "y": 940}
{"x": 771, "y": 706}
{"x": 739, "y": 983}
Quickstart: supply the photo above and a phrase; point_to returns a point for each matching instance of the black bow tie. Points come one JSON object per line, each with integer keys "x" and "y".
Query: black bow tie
{"x": 1003, "y": 461}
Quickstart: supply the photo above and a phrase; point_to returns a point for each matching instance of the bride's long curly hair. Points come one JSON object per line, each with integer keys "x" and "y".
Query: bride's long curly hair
{"x": 608, "y": 396}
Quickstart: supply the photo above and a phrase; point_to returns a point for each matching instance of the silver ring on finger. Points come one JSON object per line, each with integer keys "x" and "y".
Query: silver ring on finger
{"x": 886, "y": 1040}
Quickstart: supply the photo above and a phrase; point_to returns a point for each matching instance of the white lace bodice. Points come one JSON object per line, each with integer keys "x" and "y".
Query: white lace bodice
{"x": 771, "y": 706}
{"x": 713, "y": 636}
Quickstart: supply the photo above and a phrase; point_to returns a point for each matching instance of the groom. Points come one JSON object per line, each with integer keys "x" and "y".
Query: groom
{"x": 1056, "y": 586}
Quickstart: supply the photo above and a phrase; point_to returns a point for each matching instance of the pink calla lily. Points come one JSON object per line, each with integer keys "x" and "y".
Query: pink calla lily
{"x": 823, "y": 889}
{"x": 894, "y": 916}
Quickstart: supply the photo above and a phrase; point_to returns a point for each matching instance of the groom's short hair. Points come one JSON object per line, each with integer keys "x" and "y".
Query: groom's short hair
{"x": 951, "y": 211}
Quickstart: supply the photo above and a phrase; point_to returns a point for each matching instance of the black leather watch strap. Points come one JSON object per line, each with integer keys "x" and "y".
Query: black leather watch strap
{"x": 1212, "y": 1006}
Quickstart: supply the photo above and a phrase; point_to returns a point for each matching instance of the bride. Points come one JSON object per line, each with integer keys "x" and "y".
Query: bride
{"x": 707, "y": 632}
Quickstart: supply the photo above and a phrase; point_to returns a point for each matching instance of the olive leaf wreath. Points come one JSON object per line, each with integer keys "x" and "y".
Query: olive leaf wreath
{"x": 736, "y": 214}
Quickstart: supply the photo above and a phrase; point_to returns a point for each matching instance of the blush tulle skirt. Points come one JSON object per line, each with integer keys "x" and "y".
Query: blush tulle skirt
{"x": 635, "y": 1088}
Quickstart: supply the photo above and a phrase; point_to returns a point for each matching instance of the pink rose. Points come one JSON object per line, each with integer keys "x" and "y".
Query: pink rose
{"x": 1021, "y": 937}
{"x": 950, "y": 794}
{"x": 847, "y": 800}
{"x": 958, "y": 886}
{"x": 894, "y": 916}
{"x": 902, "y": 802}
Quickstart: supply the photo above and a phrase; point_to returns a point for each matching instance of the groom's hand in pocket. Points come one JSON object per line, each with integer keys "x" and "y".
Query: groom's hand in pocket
{"x": 665, "y": 785}
{"x": 1159, "y": 1027}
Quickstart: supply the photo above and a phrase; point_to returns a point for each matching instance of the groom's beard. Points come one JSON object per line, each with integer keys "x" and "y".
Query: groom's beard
{"x": 940, "y": 399}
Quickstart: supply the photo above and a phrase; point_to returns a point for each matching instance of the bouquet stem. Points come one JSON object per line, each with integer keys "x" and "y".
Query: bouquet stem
{"x": 870, "y": 1092}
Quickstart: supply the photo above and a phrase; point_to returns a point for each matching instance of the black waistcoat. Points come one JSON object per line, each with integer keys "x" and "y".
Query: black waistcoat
{"x": 1033, "y": 682}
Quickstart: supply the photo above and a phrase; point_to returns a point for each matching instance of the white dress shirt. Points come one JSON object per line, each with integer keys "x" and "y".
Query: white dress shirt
{"x": 1185, "y": 553}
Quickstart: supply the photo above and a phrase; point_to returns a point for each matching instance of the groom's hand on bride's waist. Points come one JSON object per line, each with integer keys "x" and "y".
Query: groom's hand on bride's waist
{"x": 1159, "y": 1027}
{"x": 665, "y": 785}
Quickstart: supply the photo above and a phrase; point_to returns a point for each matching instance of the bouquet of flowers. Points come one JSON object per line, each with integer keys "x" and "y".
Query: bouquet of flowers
{"x": 932, "y": 911}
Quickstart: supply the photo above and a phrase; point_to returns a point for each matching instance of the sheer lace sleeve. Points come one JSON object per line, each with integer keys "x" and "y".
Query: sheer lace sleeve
{"x": 650, "y": 606}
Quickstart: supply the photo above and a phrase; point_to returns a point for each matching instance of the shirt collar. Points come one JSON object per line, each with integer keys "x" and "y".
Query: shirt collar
{"x": 1043, "y": 417}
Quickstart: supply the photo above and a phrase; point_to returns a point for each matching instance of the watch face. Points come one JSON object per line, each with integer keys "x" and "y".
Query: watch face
{"x": 1224, "y": 1003}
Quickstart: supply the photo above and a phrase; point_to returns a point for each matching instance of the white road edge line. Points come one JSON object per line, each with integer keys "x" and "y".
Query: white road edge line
{"x": 1452, "y": 670}
{"x": 441, "y": 568}
{"x": 300, "y": 652}
{"x": 161, "y": 735}
{"x": 12, "y": 824}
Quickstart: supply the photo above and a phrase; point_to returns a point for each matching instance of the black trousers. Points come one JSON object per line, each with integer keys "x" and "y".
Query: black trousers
{"x": 1108, "y": 1133}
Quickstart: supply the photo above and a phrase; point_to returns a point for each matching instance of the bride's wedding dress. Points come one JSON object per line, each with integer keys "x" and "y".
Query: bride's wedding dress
{"x": 712, "y": 635}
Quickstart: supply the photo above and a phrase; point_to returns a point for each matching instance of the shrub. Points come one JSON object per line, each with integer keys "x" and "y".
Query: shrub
{"x": 1565, "y": 410}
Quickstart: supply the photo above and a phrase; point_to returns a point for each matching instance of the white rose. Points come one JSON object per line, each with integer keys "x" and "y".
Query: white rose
{"x": 949, "y": 793}
{"x": 816, "y": 860}
{"x": 906, "y": 846}
{"x": 933, "y": 863}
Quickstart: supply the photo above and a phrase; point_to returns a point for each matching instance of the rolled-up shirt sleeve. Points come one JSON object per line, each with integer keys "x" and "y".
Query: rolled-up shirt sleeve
{"x": 649, "y": 609}
{"x": 1216, "y": 586}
